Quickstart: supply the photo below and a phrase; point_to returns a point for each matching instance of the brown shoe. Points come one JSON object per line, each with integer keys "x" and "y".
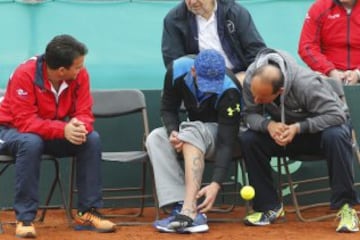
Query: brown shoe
{"x": 25, "y": 229}
{"x": 92, "y": 220}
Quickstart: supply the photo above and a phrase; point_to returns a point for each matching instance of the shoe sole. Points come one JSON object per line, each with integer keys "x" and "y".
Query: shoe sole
{"x": 194, "y": 229}
{"x": 26, "y": 235}
{"x": 91, "y": 228}
{"x": 164, "y": 229}
{"x": 248, "y": 223}
{"x": 347, "y": 230}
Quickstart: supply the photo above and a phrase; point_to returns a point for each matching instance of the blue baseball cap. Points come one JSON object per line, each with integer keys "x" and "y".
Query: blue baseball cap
{"x": 210, "y": 71}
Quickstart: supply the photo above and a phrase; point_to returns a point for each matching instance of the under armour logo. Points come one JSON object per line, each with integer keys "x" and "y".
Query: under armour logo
{"x": 231, "y": 111}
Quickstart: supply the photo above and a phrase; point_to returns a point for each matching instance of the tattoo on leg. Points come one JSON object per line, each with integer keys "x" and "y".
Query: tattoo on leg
{"x": 198, "y": 165}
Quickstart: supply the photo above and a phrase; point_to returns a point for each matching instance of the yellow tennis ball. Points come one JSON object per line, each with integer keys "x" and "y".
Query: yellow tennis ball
{"x": 247, "y": 192}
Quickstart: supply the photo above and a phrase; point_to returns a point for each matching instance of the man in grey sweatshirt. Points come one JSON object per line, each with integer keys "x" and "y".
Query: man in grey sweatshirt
{"x": 289, "y": 106}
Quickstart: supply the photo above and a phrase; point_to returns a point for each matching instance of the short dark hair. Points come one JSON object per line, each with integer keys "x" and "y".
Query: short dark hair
{"x": 276, "y": 83}
{"x": 62, "y": 50}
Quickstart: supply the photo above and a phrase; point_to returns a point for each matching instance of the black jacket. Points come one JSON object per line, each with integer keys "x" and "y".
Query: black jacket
{"x": 223, "y": 108}
{"x": 237, "y": 32}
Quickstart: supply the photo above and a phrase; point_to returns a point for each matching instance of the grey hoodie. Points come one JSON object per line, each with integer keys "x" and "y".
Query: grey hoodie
{"x": 307, "y": 98}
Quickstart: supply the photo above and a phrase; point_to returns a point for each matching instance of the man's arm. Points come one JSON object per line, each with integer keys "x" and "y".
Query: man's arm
{"x": 83, "y": 101}
{"x": 309, "y": 47}
{"x": 228, "y": 128}
{"x": 324, "y": 107}
{"x": 172, "y": 45}
{"x": 249, "y": 37}
{"x": 24, "y": 109}
{"x": 170, "y": 103}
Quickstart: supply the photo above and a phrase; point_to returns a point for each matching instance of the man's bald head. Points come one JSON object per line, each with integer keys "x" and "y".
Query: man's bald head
{"x": 266, "y": 83}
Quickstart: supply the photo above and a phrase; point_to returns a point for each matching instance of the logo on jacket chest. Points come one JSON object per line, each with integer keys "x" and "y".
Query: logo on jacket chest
{"x": 21, "y": 92}
{"x": 334, "y": 16}
{"x": 230, "y": 26}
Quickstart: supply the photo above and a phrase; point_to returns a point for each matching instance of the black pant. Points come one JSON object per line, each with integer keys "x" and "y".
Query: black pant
{"x": 334, "y": 143}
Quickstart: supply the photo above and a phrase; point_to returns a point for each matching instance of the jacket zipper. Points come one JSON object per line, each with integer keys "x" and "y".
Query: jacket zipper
{"x": 348, "y": 14}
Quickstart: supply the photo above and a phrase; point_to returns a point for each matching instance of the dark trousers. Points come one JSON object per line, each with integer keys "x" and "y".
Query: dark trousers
{"x": 27, "y": 149}
{"x": 334, "y": 143}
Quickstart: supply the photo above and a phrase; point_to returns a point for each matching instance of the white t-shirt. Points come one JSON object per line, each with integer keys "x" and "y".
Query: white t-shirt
{"x": 209, "y": 37}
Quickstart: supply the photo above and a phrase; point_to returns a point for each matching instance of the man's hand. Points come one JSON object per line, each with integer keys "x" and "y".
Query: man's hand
{"x": 352, "y": 77}
{"x": 276, "y": 129}
{"x": 210, "y": 192}
{"x": 283, "y": 134}
{"x": 288, "y": 135}
{"x": 175, "y": 142}
{"x": 75, "y": 131}
{"x": 337, "y": 74}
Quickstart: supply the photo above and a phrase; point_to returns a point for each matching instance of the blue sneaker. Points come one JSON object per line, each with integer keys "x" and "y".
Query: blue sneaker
{"x": 184, "y": 224}
{"x": 162, "y": 224}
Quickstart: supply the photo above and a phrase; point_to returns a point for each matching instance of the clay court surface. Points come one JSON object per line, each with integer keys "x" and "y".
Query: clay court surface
{"x": 55, "y": 227}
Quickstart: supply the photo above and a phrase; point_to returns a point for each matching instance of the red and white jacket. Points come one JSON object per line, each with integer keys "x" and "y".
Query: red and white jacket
{"x": 30, "y": 106}
{"x": 330, "y": 38}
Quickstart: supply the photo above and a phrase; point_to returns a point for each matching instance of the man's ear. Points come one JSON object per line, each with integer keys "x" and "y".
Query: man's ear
{"x": 61, "y": 71}
{"x": 281, "y": 90}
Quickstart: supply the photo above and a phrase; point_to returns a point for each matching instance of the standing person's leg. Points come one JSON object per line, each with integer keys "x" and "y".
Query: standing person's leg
{"x": 88, "y": 179}
{"x": 27, "y": 149}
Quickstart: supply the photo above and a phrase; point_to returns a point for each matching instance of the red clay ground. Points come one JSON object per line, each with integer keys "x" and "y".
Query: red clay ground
{"x": 55, "y": 227}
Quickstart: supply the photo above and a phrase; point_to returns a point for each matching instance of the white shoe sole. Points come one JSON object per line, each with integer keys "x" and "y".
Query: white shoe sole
{"x": 164, "y": 229}
{"x": 195, "y": 229}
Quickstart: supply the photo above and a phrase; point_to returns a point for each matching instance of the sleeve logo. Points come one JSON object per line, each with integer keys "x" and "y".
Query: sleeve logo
{"x": 231, "y": 111}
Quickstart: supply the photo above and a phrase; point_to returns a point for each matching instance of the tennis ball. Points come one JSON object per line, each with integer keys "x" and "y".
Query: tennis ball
{"x": 247, "y": 192}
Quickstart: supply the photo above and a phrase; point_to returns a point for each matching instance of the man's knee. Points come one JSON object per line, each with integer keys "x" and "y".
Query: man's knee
{"x": 247, "y": 138}
{"x": 156, "y": 135}
{"x": 30, "y": 141}
{"x": 336, "y": 133}
{"x": 93, "y": 139}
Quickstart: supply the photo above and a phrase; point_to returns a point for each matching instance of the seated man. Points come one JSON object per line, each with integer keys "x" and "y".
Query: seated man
{"x": 329, "y": 41}
{"x": 47, "y": 110}
{"x": 290, "y": 108}
{"x": 225, "y": 26}
{"x": 212, "y": 101}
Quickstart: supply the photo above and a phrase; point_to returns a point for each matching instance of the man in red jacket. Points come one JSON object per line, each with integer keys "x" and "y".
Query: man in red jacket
{"x": 47, "y": 110}
{"x": 330, "y": 39}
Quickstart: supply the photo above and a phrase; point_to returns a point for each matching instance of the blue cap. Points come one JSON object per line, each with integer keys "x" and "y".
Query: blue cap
{"x": 210, "y": 71}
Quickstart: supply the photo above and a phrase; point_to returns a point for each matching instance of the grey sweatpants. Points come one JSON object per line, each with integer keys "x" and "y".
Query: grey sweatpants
{"x": 168, "y": 170}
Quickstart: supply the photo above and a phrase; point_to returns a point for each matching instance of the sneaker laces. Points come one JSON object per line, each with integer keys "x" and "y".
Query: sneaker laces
{"x": 26, "y": 223}
{"x": 93, "y": 214}
{"x": 344, "y": 213}
{"x": 181, "y": 221}
{"x": 273, "y": 214}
